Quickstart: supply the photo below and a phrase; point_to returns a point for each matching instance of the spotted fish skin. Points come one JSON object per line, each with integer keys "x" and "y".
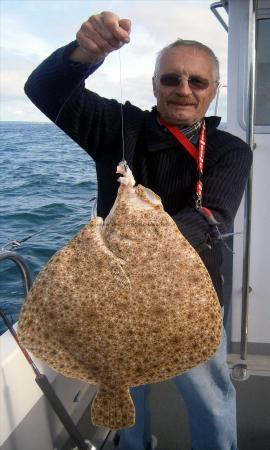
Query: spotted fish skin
{"x": 126, "y": 302}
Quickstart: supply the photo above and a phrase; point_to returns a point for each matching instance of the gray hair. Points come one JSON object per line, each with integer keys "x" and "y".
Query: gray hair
{"x": 187, "y": 43}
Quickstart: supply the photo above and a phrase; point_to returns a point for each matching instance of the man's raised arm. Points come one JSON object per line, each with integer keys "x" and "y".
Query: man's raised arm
{"x": 57, "y": 85}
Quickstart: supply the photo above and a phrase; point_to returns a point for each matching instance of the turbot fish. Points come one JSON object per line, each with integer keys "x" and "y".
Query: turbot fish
{"x": 127, "y": 301}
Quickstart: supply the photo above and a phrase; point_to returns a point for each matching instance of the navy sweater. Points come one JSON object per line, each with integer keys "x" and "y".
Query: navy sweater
{"x": 155, "y": 157}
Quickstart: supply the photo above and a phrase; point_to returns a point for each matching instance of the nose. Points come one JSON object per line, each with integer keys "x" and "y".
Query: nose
{"x": 183, "y": 88}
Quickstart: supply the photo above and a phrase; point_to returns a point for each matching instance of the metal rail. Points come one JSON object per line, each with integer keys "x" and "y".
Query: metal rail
{"x": 214, "y": 6}
{"x": 25, "y": 272}
{"x": 248, "y": 193}
{"x": 240, "y": 370}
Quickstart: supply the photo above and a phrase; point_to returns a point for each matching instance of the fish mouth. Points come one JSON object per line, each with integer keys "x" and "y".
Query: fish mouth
{"x": 126, "y": 178}
{"x": 148, "y": 196}
{"x": 137, "y": 195}
{"x": 141, "y": 197}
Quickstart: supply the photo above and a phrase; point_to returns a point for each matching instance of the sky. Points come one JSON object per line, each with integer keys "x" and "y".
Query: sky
{"x": 32, "y": 29}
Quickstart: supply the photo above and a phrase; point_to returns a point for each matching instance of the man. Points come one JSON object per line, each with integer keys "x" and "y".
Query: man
{"x": 202, "y": 197}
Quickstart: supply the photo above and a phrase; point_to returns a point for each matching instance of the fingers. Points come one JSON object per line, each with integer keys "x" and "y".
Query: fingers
{"x": 118, "y": 28}
{"x": 103, "y": 33}
{"x": 126, "y": 25}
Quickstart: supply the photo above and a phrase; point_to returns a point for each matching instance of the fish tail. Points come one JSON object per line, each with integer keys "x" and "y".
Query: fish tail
{"x": 113, "y": 409}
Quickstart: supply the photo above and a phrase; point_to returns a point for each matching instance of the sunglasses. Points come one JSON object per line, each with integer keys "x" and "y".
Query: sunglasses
{"x": 194, "y": 82}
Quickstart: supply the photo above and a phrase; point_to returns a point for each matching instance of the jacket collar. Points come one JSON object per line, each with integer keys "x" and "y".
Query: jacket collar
{"x": 159, "y": 139}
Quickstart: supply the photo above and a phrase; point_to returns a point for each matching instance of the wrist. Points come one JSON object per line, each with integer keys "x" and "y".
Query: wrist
{"x": 82, "y": 56}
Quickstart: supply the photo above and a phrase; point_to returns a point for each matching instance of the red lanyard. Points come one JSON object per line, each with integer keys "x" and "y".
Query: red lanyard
{"x": 198, "y": 155}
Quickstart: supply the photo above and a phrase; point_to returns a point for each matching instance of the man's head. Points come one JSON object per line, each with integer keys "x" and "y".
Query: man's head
{"x": 185, "y": 81}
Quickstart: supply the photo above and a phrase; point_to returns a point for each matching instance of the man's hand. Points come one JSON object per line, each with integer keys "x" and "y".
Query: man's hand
{"x": 100, "y": 35}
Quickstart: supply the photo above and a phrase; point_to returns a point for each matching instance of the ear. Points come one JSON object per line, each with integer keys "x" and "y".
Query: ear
{"x": 154, "y": 84}
{"x": 216, "y": 91}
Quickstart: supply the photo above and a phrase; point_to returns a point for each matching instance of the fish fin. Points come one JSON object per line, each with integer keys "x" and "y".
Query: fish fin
{"x": 113, "y": 409}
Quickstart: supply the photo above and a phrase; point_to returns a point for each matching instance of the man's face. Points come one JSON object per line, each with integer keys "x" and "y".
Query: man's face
{"x": 183, "y": 105}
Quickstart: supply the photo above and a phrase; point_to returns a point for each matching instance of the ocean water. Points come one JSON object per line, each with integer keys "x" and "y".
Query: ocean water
{"x": 47, "y": 185}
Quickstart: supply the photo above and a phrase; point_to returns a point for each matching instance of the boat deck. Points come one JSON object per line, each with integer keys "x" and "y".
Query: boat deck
{"x": 170, "y": 421}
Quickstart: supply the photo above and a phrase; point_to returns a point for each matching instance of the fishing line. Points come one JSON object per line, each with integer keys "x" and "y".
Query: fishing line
{"x": 65, "y": 102}
{"x": 121, "y": 107}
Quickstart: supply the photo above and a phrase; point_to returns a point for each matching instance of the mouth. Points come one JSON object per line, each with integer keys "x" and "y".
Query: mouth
{"x": 181, "y": 104}
{"x": 181, "y": 101}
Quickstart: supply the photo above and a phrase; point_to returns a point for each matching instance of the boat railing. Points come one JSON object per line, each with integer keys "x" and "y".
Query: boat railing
{"x": 21, "y": 263}
{"x": 214, "y": 8}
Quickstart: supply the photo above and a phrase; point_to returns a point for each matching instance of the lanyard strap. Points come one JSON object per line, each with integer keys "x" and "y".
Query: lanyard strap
{"x": 199, "y": 156}
{"x": 192, "y": 150}
{"x": 200, "y": 165}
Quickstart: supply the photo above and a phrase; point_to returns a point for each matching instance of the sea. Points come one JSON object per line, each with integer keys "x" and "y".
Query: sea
{"x": 47, "y": 194}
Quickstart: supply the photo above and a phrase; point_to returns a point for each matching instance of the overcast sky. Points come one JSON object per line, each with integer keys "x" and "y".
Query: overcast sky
{"x": 32, "y": 29}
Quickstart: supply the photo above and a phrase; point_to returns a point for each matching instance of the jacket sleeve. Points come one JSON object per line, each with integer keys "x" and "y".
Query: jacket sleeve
{"x": 223, "y": 188}
{"x": 57, "y": 88}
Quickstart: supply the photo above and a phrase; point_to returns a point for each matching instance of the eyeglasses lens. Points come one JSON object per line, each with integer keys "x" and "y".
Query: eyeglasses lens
{"x": 175, "y": 80}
